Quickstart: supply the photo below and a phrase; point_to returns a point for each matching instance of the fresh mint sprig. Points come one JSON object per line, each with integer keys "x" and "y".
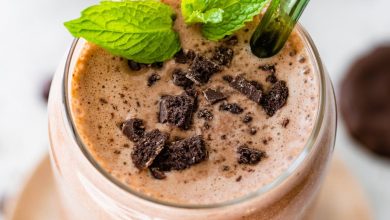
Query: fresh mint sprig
{"x": 137, "y": 30}
{"x": 235, "y": 13}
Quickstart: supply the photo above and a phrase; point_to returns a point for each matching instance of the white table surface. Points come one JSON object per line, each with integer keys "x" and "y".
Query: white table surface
{"x": 32, "y": 41}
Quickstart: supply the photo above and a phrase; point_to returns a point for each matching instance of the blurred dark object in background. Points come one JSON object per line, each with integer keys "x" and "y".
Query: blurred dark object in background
{"x": 46, "y": 89}
{"x": 365, "y": 100}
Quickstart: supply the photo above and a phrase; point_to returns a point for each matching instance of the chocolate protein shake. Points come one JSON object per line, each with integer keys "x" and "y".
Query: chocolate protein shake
{"x": 211, "y": 125}
{"x": 213, "y": 132}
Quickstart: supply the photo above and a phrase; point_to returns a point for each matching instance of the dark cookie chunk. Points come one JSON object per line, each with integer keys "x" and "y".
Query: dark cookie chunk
{"x": 147, "y": 149}
{"x": 365, "y": 102}
{"x": 249, "y": 155}
{"x": 223, "y": 55}
{"x": 179, "y": 78}
{"x": 157, "y": 173}
{"x": 153, "y": 78}
{"x": 134, "y": 65}
{"x": 202, "y": 69}
{"x": 268, "y": 68}
{"x": 271, "y": 78}
{"x": 227, "y": 78}
{"x": 183, "y": 58}
{"x": 276, "y": 98}
{"x": 177, "y": 110}
{"x": 157, "y": 65}
{"x": 247, "y": 118}
{"x": 182, "y": 154}
{"x": 256, "y": 84}
{"x": 205, "y": 114}
{"x": 245, "y": 87}
{"x": 231, "y": 107}
{"x": 191, "y": 91}
{"x": 213, "y": 96}
{"x": 133, "y": 129}
{"x": 231, "y": 41}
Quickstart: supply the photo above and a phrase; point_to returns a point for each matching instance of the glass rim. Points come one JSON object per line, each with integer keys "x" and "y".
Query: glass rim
{"x": 308, "y": 148}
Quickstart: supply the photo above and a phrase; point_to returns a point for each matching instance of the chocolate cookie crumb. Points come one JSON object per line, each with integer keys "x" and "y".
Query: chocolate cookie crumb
{"x": 183, "y": 58}
{"x": 157, "y": 173}
{"x": 246, "y": 88}
{"x": 233, "y": 108}
{"x": 285, "y": 122}
{"x": 147, "y": 149}
{"x": 276, "y": 98}
{"x": 238, "y": 179}
{"x": 152, "y": 79}
{"x": 247, "y": 118}
{"x": 134, "y": 65}
{"x": 223, "y": 55}
{"x": 231, "y": 41}
{"x": 133, "y": 129}
{"x": 256, "y": 84}
{"x": 213, "y": 96}
{"x": 202, "y": 69}
{"x": 179, "y": 78}
{"x": 205, "y": 114}
{"x": 268, "y": 68}
{"x": 191, "y": 91}
{"x": 182, "y": 154}
{"x": 252, "y": 131}
{"x": 223, "y": 137}
{"x": 177, "y": 110}
{"x": 271, "y": 78}
{"x": 157, "y": 65}
{"x": 227, "y": 78}
{"x": 249, "y": 155}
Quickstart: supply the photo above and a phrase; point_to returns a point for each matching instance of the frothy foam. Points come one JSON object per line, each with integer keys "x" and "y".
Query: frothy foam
{"x": 105, "y": 92}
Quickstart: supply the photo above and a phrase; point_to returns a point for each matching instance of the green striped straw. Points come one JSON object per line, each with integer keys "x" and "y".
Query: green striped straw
{"x": 276, "y": 26}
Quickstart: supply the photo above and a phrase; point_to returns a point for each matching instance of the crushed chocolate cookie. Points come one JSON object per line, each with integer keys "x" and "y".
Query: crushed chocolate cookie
{"x": 191, "y": 91}
{"x": 213, "y": 96}
{"x": 268, "y": 68}
{"x": 223, "y": 55}
{"x": 271, "y": 78}
{"x": 157, "y": 65}
{"x": 177, "y": 110}
{"x": 223, "y": 137}
{"x": 231, "y": 41}
{"x": 182, "y": 154}
{"x": 285, "y": 122}
{"x": 227, "y": 78}
{"x": 103, "y": 101}
{"x": 252, "y": 131}
{"x": 206, "y": 126}
{"x": 153, "y": 78}
{"x": 231, "y": 107}
{"x": 225, "y": 168}
{"x": 256, "y": 84}
{"x": 134, "y": 65}
{"x": 246, "y": 88}
{"x": 205, "y": 114}
{"x": 247, "y": 118}
{"x": 249, "y": 155}
{"x": 276, "y": 98}
{"x": 238, "y": 179}
{"x": 179, "y": 78}
{"x": 183, "y": 58}
{"x": 202, "y": 69}
{"x": 157, "y": 173}
{"x": 133, "y": 129}
{"x": 147, "y": 149}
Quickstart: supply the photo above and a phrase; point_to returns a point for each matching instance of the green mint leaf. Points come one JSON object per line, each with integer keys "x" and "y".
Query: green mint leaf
{"x": 137, "y": 30}
{"x": 195, "y": 11}
{"x": 235, "y": 14}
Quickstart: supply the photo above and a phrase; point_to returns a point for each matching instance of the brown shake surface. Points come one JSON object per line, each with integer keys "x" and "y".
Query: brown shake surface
{"x": 249, "y": 144}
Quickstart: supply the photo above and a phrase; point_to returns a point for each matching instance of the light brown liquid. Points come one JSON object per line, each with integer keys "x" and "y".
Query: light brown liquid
{"x": 105, "y": 92}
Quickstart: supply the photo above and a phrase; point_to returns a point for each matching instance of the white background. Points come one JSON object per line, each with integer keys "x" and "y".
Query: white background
{"x": 33, "y": 39}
